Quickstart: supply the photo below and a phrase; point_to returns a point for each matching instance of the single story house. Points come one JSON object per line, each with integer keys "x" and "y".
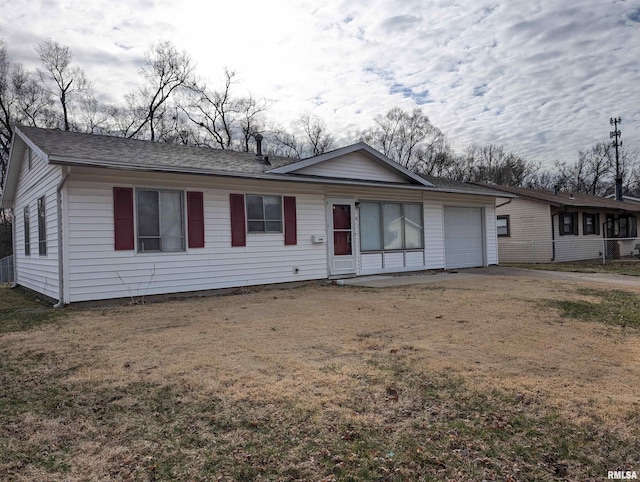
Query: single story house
{"x": 100, "y": 217}
{"x": 542, "y": 226}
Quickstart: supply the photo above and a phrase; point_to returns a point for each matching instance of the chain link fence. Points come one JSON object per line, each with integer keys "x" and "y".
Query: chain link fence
{"x": 568, "y": 248}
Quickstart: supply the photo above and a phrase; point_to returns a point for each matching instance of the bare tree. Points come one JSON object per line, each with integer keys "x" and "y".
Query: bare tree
{"x": 318, "y": 138}
{"x": 213, "y": 111}
{"x": 59, "y": 77}
{"x": 592, "y": 173}
{"x": 409, "y": 138}
{"x": 493, "y": 164}
{"x": 22, "y": 101}
{"x": 280, "y": 142}
{"x": 93, "y": 116}
{"x": 8, "y": 102}
{"x": 251, "y": 118}
{"x": 165, "y": 71}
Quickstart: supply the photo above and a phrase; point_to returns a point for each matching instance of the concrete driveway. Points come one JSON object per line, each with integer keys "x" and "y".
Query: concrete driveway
{"x": 382, "y": 281}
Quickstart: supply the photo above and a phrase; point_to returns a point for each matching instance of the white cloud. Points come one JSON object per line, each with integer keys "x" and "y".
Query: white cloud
{"x": 541, "y": 77}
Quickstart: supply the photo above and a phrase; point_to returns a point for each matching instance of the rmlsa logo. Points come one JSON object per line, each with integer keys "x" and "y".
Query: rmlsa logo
{"x": 622, "y": 474}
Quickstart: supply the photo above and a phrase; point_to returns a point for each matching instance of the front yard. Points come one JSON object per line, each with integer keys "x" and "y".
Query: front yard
{"x": 494, "y": 378}
{"x": 626, "y": 266}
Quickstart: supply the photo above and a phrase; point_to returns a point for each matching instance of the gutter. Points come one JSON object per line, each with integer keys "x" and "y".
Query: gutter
{"x": 61, "y": 184}
{"x": 65, "y": 161}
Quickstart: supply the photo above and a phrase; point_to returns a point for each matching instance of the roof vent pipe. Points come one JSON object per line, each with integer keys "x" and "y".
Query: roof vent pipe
{"x": 259, "y": 144}
{"x": 555, "y": 190}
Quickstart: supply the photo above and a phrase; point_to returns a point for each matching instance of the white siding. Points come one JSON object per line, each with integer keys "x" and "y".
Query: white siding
{"x": 432, "y": 257}
{"x": 39, "y": 273}
{"x": 491, "y": 243}
{"x": 434, "y": 234}
{"x": 353, "y": 166}
{"x": 530, "y": 232}
{"x": 578, "y": 247}
{"x": 97, "y": 271}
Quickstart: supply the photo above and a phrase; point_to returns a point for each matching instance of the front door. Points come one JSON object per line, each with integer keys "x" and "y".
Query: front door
{"x": 342, "y": 249}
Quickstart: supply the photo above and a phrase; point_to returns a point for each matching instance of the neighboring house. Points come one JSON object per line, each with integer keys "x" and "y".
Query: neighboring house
{"x": 630, "y": 199}
{"x": 100, "y": 217}
{"x": 542, "y": 226}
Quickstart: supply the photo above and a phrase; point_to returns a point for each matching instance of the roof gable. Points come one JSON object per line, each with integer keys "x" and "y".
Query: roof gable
{"x": 16, "y": 155}
{"x": 357, "y": 161}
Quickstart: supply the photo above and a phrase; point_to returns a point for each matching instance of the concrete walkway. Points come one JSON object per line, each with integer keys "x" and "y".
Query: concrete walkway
{"x": 382, "y": 281}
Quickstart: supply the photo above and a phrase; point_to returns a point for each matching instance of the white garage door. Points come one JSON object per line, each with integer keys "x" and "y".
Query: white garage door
{"x": 463, "y": 246}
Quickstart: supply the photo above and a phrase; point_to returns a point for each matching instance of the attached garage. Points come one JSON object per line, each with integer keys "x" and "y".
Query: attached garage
{"x": 463, "y": 233}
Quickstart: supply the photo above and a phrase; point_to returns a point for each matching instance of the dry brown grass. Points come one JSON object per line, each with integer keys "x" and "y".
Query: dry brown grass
{"x": 314, "y": 349}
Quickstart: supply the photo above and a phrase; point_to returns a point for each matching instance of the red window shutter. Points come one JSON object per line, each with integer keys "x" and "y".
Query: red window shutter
{"x": 195, "y": 219}
{"x": 123, "y": 217}
{"x": 238, "y": 229}
{"x": 290, "y": 226}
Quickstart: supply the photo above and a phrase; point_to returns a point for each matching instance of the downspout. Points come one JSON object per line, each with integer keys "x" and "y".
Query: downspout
{"x": 553, "y": 238}
{"x": 15, "y": 249}
{"x": 504, "y": 203}
{"x": 61, "y": 184}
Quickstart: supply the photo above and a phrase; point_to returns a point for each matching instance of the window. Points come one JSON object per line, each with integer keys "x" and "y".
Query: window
{"x": 622, "y": 227}
{"x": 628, "y": 227}
{"x": 568, "y": 224}
{"x": 27, "y": 232}
{"x": 264, "y": 214}
{"x": 160, "y": 220}
{"x": 502, "y": 225}
{"x": 42, "y": 227}
{"x": 633, "y": 227}
{"x": 390, "y": 226}
{"x": 590, "y": 224}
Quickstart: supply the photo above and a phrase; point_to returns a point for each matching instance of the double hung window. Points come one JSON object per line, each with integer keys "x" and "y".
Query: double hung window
{"x": 568, "y": 224}
{"x": 27, "y": 232}
{"x": 590, "y": 223}
{"x": 160, "y": 220}
{"x": 264, "y": 214}
{"x": 502, "y": 226}
{"x": 42, "y": 227}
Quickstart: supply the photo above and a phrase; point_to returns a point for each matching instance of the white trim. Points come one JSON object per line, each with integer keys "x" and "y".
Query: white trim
{"x": 336, "y": 273}
{"x": 31, "y": 145}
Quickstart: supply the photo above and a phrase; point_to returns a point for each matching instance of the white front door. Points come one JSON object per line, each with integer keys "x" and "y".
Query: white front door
{"x": 341, "y": 236}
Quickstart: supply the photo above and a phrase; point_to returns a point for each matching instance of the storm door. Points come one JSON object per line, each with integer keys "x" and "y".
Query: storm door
{"x": 341, "y": 237}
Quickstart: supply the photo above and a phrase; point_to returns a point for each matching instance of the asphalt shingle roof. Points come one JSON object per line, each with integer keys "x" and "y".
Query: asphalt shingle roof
{"x": 119, "y": 152}
{"x": 458, "y": 186}
{"x": 111, "y": 150}
{"x": 563, "y": 198}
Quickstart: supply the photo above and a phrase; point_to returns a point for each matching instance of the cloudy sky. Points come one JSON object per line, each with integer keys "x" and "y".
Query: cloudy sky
{"x": 541, "y": 77}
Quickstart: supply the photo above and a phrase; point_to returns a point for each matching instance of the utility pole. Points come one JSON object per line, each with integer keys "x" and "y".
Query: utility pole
{"x": 614, "y": 121}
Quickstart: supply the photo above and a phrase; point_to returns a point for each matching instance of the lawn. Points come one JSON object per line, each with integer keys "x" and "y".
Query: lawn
{"x": 463, "y": 380}
{"x": 627, "y": 266}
